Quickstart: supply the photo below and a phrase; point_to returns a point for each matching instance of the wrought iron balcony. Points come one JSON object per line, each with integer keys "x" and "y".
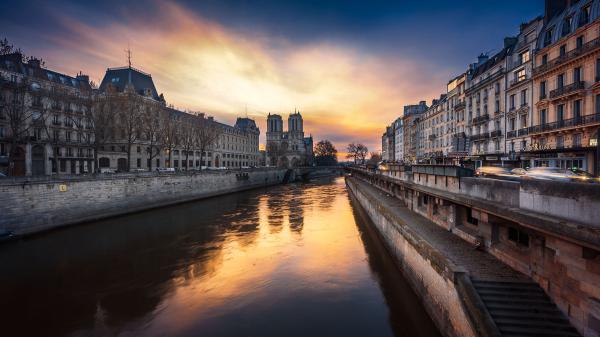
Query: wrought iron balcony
{"x": 481, "y": 136}
{"x": 518, "y": 80}
{"x": 523, "y": 132}
{"x": 496, "y": 133}
{"x": 460, "y": 105}
{"x": 511, "y": 134}
{"x": 587, "y": 47}
{"x": 481, "y": 119}
{"x": 565, "y": 123}
{"x": 567, "y": 89}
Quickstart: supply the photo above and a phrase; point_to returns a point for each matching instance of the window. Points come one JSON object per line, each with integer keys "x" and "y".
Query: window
{"x": 560, "y": 142}
{"x": 566, "y": 28}
{"x": 512, "y": 102}
{"x": 542, "y": 116}
{"x": 598, "y": 103}
{"x": 577, "y": 109}
{"x": 518, "y": 237}
{"x": 497, "y": 106}
{"x": 523, "y": 97}
{"x": 524, "y": 57}
{"x": 560, "y": 112}
{"x": 584, "y": 16}
{"x": 577, "y": 75}
{"x": 597, "y": 70}
{"x": 579, "y": 42}
{"x": 497, "y": 88}
{"x": 512, "y": 124}
{"x": 562, "y": 50}
{"x": 577, "y": 140}
{"x": 542, "y": 89}
{"x": 139, "y": 162}
{"x": 560, "y": 81}
{"x": 139, "y": 149}
{"x": 548, "y": 37}
{"x": 544, "y": 59}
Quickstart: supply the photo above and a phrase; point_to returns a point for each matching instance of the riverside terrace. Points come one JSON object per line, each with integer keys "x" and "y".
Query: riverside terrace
{"x": 547, "y": 231}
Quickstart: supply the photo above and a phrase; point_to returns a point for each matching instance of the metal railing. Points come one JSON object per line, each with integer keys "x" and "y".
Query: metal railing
{"x": 567, "y": 89}
{"x": 565, "y": 123}
{"x": 482, "y": 118}
{"x": 481, "y": 136}
{"x": 587, "y": 47}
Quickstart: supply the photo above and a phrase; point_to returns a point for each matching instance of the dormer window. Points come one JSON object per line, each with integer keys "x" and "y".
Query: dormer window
{"x": 548, "y": 37}
{"x": 584, "y": 16}
{"x": 115, "y": 80}
{"x": 566, "y": 28}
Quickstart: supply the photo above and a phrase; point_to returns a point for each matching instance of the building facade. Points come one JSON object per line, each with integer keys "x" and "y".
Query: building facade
{"x": 288, "y": 148}
{"x": 566, "y": 90}
{"x": 398, "y": 140}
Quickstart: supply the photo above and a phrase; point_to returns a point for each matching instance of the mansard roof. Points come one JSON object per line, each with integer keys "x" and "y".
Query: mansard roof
{"x": 557, "y": 23}
{"x": 119, "y": 78}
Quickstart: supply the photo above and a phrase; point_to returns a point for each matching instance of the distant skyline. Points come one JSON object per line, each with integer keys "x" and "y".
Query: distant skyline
{"x": 349, "y": 67}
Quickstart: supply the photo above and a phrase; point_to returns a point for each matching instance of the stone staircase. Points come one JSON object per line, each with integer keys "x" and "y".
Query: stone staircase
{"x": 522, "y": 309}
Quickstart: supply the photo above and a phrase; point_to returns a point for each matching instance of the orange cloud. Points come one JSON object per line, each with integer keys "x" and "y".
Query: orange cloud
{"x": 198, "y": 64}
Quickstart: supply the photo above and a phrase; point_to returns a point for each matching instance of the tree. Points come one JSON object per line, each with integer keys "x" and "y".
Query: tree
{"x": 132, "y": 108}
{"x": 187, "y": 137}
{"x": 170, "y": 133}
{"x": 18, "y": 116}
{"x": 357, "y": 152}
{"x": 100, "y": 120}
{"x": 153, "y": 131}
{"x": 207, "y": 133}
{"x": 325, "y": 153}
{"x": 375, "y": 159}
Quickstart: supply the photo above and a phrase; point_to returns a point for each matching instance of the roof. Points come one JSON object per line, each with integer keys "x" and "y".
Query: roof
{"x": 492, "y": 61}
{"x": 121, "y": 77}
{"x": 555, "y": 24}
{"x": 245, "y": 123}
{"x": 14, "y": 62}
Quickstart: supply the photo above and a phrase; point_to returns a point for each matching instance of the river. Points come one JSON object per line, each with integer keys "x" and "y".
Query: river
{"x": 290, "y": 260}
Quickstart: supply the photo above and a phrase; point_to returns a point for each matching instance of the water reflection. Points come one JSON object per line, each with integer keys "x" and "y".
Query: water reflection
{"x": 284, "y": 261}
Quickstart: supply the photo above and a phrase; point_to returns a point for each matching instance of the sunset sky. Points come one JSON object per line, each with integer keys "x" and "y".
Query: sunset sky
{"x": 348, "y": 66}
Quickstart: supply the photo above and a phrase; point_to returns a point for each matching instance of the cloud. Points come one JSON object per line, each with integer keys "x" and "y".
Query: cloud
{"x": 344, "y": 93}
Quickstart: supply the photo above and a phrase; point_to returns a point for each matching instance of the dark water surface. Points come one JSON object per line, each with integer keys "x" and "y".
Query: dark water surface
{"x": 293, "y": 260}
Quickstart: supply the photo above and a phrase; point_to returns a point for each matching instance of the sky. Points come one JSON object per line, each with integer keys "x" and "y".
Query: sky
{"x": 348, "y": 66}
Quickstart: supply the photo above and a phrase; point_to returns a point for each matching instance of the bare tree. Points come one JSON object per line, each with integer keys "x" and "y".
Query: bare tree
{"x": 207, "y": 133}
{"x": 187, "y": 126}
{"x": 131, "y": 110}
{"x": 170, "y": 133}
{"x": 357, "y": 152}
{"x": 153, "y": 131}
{"x": 18, "y": 115}
{"x": 100, "y": 120}
{"x": 351, "y": 152}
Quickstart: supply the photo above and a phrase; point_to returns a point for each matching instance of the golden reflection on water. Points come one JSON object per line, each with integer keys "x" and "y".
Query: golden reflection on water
{"x": 309, "y": 237}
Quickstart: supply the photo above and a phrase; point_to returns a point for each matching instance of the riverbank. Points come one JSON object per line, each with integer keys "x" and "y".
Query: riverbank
{"x": 30, "y": 207}
{"x": 466, "y": 291}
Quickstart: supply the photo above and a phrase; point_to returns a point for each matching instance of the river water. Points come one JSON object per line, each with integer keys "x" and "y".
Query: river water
{"x": 291, "y": 260}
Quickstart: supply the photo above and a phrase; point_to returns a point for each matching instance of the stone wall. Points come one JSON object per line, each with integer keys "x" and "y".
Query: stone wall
{"x": 433, "y": 277}
{"x": 30, "y": 207}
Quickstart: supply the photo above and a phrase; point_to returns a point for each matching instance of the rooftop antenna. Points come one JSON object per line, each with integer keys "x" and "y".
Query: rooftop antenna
{"x": 128, "y": 55}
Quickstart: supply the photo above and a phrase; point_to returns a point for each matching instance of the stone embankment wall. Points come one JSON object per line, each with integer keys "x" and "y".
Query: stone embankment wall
{"x": 30, "y": 207}
{"x": 437, "y": 281}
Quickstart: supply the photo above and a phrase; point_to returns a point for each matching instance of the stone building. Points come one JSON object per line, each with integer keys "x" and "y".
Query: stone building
{"x": 456, "y": 107}
{"x": 288, "y": 148}
{"x": 231, "y": 147}
{"x": 388, "y": 144}
{"x": 410, "y": 119}
{"x": 485, "y": 92}
{"x": 398, "y": 140}
{"x": 44, "y": 127}
{"x": 566, "y": 91}
{"x": 437, "y": 132}
{"x": 519, "y": 92}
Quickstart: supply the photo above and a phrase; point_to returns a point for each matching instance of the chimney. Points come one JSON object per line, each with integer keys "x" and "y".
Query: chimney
{"x": 83, "y": 78}
{"x": 482, "y": 58}
{"x": 35, "y": 63}
{"x": 553, "y": 7}
{"x": 211, "y": 118}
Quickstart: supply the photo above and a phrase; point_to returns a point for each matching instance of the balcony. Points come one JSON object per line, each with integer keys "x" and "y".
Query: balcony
{"x": 570, "y": 55}
{"x": 481, "y": 136}
{"x": 460, "y": 105}
{"x": 523, "y": 132}
{"x": 481, "y": 119}
{"x": 517, "y": 81}
{"x": 496, "y": 133}
{"x": 565, "y": 123}
{"x": 460, "y": 135}
{"x": 566, "y": 90}
{"x": 511, "y": 134}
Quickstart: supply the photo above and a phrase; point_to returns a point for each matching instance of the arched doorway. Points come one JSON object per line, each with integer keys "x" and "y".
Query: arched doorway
{"x": 122, "y": 164}
{"x": 17, "y": 165}
{"x": 38, "y": 160}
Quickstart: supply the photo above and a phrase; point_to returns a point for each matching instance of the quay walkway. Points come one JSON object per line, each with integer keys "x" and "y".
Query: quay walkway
{"x": 513, "y": 301}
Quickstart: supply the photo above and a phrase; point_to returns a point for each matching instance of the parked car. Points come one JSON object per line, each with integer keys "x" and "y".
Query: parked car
{"x": 165, "y": 169}
{"x": 552, "y": 173}
{"x": 493, "y": 171}
{"x": 107, "y": 170}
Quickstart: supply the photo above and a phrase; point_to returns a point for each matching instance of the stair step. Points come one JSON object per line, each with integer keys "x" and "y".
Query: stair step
{"x": 510, "y": 289}
{"x": 536, "y": 332}
{"x": 541, "y": 301}
{"x": 541, "y": 317}
{"x": 556, "y": 325}
{"x": 522, "y": 308}
{"x": 523, "y": 284}
{"x": 519, "y": 294}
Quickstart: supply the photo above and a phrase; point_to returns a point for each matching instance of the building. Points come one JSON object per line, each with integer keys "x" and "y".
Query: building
{"x": 288, "y": 148}
{"x": 410, "y": 122}
{"x": 388, "y": 144}
{"x": 566, "y": 90}
{"x": 455, "y": 92}
{"x": 189, "y": 140}
{"x": 44, "y": 120}
{"x": 398, "y": 140}
{"x": 437, "y": 132}
{"x": 485, "y": 92}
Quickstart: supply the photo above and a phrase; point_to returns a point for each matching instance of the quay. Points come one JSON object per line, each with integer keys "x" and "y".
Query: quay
{"x": 490, "y": 257}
